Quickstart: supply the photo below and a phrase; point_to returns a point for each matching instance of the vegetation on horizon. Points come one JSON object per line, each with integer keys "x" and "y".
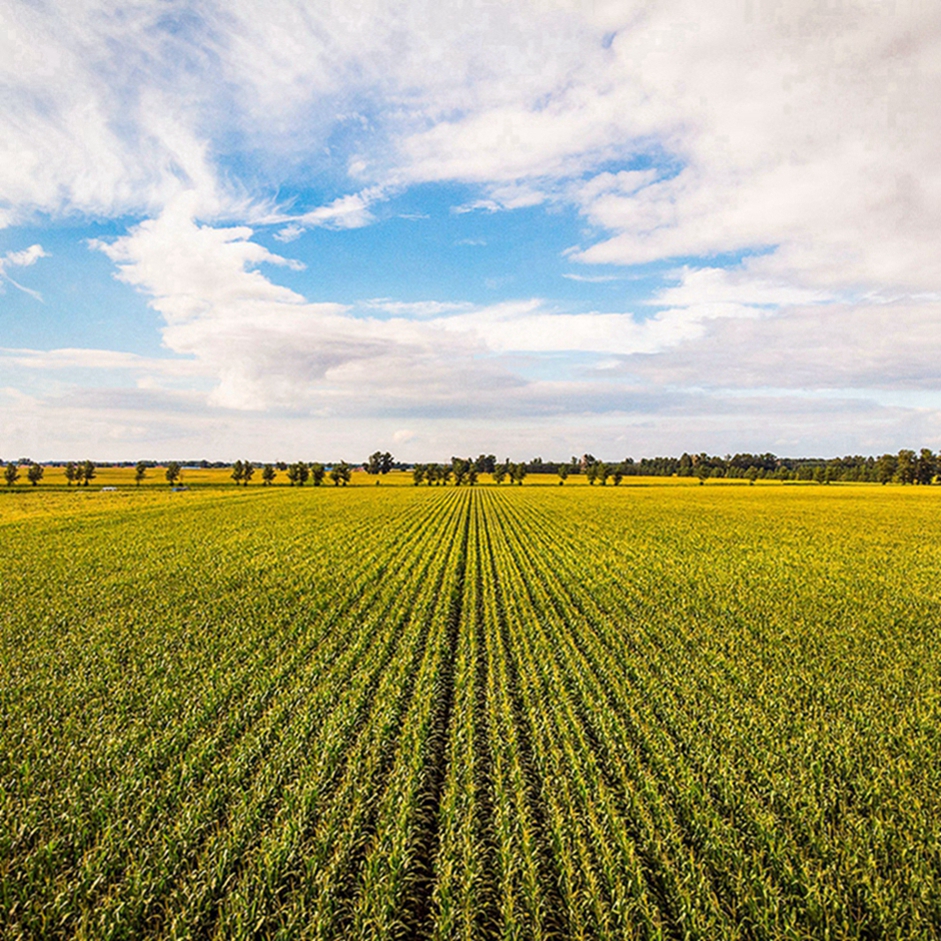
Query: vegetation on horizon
{"x": 906, "y": 467}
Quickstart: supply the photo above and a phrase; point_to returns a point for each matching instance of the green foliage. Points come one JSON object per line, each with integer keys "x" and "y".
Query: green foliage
{"x": 460, "y": 468}
{"x": 11, "y": 473}
{"x": 173, "y": 472}
{"x": 341, "y": 473}
{"x": 379, "y": 463}
{"x": 34, "y": 473}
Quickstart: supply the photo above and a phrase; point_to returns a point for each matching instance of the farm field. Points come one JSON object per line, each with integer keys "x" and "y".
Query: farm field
{"x": 651, "y": 711}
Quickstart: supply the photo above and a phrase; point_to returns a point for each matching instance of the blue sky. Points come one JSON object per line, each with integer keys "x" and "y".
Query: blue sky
{"x": 532, "y": 228}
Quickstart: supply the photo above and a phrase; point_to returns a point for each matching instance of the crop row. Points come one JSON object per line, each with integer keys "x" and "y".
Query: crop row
{"x": 474, "y": 713}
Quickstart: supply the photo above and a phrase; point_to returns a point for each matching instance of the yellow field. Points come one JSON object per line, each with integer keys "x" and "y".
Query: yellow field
{"x": 661, "y": 710}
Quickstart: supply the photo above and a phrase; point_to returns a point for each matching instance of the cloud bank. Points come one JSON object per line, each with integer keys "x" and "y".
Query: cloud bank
{"x": 781, "y": 164}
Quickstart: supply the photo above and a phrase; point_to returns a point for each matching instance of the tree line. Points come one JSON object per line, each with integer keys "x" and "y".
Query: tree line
{"x": 905, "y": 467}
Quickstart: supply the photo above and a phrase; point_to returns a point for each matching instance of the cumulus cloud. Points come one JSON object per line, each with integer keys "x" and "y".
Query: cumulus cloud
{"x": 269, "y": 347}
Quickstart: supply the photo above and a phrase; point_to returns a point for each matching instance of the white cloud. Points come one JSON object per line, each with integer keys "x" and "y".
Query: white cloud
{"x": 84, "y": 358}
{"x": 345, "y": 212}
{"x": 422, "y": 309}
{"x": 289, "y": 233}
{"x": 21, "y": 259}
{"x": 268, "y": 347}
{"x": 591, "y": 278}
{"x": 529, "y": 326}
{"x": 808, "y": 128}
{"x": 732, "y": 286}
{"x": 893, "y": 346}
{"x": 803, "y": 135}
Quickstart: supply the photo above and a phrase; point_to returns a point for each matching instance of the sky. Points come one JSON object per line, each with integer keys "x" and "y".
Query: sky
{"x": 310, "y": 230}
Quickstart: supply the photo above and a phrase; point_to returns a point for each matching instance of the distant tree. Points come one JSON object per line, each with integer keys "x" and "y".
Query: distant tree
{"x": 563, "y": 472}
{"x": 603, "y": 472}
{"x": 140, "y": 472}
{"x": 374, "y": 464}
{"x": 591, "y": 472}
{"x": 500, "y": 472}
{"x": 238, "y": 472}
{"x": 471, "y": 473}
{"x": 385, "y": 463}
{"x": 71, "y": 472}
{"x": 248, "y": 471}
{"x": 34, "y": 473}
{"x": 885, "y": 468}
{"x": 752, "y": 475}
{"x": 298, "y": 473}
{"x": 926, "y": 466}
{"x": 617, "y": 474}
{"x": 317, "y": 473}
{"x": 418, "y": 474}
{"x": 340, "y": 474}
{"x": 86, "y": 472}
{"x": 268, "y": 474}
{"x": 905, "y": 468}
{"x": 173, "y": 472}
{"x": 519, "y": 473}
{"x": 11, "y": 473}
{"x": 702, "y": 471}
{"x": 485, "y": 463}
{"x": 460, "y": 468}
{"x": 444, "y": 474}
{"x": 281, "y": 465}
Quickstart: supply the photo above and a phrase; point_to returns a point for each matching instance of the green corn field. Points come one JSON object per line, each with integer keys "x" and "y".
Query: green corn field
{"x": 651, "y": 711}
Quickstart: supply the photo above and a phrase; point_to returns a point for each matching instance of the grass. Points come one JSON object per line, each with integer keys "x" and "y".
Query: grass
{"x": 656, "y": 711}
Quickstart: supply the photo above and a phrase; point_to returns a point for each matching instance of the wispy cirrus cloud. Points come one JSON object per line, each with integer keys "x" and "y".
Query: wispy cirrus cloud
{"x": 20, "y": 259}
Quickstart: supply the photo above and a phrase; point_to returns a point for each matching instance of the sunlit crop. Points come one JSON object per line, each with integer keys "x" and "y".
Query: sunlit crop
{"x": 650, "y": 711}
